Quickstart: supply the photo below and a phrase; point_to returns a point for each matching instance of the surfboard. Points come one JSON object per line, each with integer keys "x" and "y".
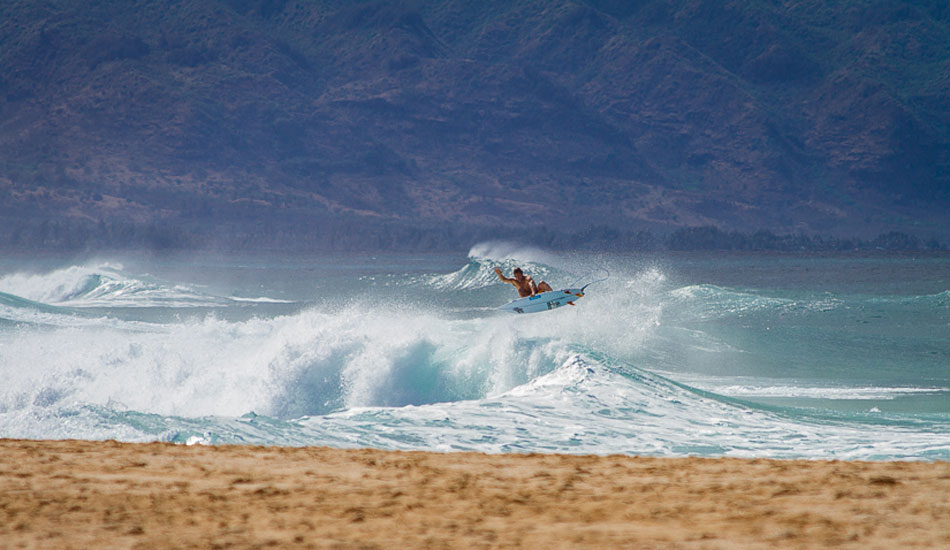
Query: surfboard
{"x": 544, "y": 301}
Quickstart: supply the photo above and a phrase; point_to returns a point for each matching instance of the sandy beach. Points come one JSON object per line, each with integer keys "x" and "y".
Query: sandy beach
{"x": 81, "y": 494}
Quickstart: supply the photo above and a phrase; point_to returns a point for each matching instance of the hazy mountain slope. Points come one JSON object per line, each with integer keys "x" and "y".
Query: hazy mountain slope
{"x": 745, "y": 114}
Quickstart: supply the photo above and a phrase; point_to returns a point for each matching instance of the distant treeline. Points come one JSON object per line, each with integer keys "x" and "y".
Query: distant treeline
{"x": 359, "y": 235}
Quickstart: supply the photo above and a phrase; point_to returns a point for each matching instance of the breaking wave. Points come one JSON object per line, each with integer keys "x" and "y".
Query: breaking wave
{"x": 385, "y": 368}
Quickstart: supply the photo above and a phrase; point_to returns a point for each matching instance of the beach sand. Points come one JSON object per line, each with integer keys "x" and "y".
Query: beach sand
{"x": 82, "y": 494}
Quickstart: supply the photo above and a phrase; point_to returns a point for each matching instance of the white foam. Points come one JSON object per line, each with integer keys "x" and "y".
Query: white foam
{"x": 260, "y": 300}
{"x": 823, "y": 392}
{"x": 584, "y": 406}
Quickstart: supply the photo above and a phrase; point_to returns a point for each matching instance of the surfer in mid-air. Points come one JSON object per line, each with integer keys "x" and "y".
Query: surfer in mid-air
{"x": 525, "y": 284}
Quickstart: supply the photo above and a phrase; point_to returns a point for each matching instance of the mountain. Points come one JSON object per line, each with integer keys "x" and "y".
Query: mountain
{"x": 282, "y": 120}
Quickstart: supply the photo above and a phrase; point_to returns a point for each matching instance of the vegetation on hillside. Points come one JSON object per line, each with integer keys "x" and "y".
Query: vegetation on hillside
{"x": 292, "y": 116}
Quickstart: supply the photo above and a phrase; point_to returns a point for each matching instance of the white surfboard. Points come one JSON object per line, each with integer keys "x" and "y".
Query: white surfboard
{"x": 544, "y": 301}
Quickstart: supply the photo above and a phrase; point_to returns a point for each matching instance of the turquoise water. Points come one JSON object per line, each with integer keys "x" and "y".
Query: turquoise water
{"x": 711, "y": 355}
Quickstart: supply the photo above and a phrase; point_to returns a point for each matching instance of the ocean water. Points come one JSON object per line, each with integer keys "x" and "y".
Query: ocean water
{"x": 672, "y": 355}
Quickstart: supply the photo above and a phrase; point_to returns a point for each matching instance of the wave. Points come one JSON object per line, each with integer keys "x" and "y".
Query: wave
{"x": 382, "y": 368}
{"x": 717, "y": 301}
{"x": 480, "y": 273}
{"x": 585, "y": 404}
{"x": 758, "y": 388}
{"x": 16, "y": 311}
{"x": 108, "y": 285}
{"x": 306, "y": 363}
{"x": 499, "y": 251}
{"x": 102, "y": 285}
{"x": 260, "y": 300}
{"x": 939, "y": 300}
{"x": 373, "y": 351}
{"x": 708, "y": 301}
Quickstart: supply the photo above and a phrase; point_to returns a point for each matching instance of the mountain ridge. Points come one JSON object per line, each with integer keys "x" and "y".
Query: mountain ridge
{"x": 791, "y": 117}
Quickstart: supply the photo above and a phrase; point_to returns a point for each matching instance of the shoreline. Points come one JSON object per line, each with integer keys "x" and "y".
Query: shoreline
{"x": 105, "y": 494}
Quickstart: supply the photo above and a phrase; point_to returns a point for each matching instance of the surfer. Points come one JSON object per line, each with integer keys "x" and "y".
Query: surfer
{"x": 525, "y": 284}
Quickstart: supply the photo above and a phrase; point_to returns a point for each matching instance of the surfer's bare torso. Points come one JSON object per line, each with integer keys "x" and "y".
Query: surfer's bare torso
{"x": 524, "y": 283}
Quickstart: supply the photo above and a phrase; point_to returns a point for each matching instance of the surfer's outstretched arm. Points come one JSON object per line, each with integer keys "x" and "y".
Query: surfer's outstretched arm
{"x": 503, "y": 278}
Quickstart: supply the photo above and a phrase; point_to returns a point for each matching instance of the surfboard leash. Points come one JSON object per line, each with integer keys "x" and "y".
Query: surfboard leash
{"x": 583, "y": 288}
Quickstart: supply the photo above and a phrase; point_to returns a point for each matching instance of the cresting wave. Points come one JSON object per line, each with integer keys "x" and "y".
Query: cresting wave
{"x": 582, "y": 406}
{"x": 386, "y": 368}
{"x": 102, "y": 285}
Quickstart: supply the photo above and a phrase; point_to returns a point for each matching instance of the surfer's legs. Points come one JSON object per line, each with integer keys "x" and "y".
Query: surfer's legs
{"x": 544, "y": 287}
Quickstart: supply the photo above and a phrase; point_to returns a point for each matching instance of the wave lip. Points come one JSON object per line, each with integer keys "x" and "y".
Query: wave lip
{"x": 500, "y": 251}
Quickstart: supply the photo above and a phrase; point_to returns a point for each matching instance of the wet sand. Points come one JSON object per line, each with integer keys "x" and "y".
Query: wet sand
{"x": 81, "y": 494}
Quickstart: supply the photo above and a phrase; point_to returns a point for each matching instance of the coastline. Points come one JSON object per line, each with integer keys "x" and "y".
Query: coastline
{"x": 91, "y": 494}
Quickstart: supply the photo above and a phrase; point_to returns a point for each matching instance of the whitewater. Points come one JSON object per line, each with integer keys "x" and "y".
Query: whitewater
{"x": 673, "y": 355}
